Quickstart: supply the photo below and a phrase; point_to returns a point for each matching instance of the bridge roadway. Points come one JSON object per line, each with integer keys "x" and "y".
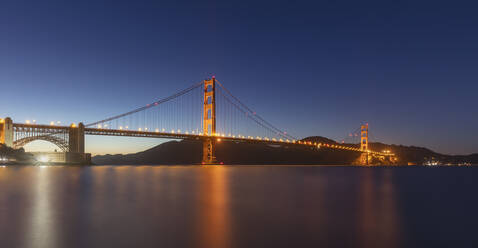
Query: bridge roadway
{"x": 52, "y": 129}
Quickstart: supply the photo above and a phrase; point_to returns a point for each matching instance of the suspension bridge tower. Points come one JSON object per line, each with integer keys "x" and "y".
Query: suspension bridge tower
{"x": 364, "y": 157}
{"x": 209, "y": 121}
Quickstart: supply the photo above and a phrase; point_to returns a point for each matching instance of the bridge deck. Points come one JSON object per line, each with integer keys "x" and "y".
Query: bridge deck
{"x": 39, "y": 127}
{"x": 132, "y": 133}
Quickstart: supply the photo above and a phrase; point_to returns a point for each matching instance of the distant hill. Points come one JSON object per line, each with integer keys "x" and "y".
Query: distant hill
{"x": 172, "y": 152}
{"x": 190, "y": 152}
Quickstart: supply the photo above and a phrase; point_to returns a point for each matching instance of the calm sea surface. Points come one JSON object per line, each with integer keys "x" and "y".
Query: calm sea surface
{"x": 238, "y": 206}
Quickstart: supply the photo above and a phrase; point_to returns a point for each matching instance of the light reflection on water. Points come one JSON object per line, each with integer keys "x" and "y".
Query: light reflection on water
{"x": 234, "y": 206}
{"x": 212, "y": 227}
{"x": 377, "y": 210}
{"x": 42, "y": 229}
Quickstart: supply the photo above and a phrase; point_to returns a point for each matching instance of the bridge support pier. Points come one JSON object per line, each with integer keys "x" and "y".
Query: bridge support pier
{"x": 6, "y": 132}
{"x": 364, "y": 158}
{"x": 208, "y": 156}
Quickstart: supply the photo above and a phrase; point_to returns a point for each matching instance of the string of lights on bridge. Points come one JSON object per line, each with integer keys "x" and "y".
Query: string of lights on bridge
{"x": 223, "y": 137}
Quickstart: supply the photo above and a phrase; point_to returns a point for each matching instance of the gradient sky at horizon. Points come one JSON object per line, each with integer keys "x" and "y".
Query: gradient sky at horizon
{"x": 409, "y": 68}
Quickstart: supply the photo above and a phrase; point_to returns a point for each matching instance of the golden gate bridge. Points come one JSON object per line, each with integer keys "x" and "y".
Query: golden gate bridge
{"x": 205, "y": 111}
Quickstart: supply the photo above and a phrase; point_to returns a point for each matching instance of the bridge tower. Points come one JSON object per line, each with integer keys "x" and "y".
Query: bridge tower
{"x": 364, "y": 144}
{"x": 76, "y": 138}
{"x": 364, "y": 137}
{"x": 6, "y": 132}
{"x": 209, "y": 121}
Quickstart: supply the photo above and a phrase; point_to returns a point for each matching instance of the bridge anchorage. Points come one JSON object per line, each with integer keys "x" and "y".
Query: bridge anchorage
{"x": 70, "y": 140}
{"x": 220, "y": 116}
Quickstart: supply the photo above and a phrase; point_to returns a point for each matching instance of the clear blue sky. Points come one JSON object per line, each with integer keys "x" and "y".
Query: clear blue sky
{"x": 409, "y": 68}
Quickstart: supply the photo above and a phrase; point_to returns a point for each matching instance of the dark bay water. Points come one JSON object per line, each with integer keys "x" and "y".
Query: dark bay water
{"x": 238, "y": 206}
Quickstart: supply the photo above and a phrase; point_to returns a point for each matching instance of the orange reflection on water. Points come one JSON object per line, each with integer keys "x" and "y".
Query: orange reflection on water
{"x": 213, "y": 226}
{"x": 378, "y": 219}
